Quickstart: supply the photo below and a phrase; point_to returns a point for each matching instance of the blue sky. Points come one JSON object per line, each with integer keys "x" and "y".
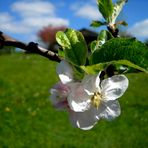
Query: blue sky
{"x": 22, "y": 19}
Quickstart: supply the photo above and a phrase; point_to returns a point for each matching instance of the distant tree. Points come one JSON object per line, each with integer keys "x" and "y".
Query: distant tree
{"x": 47, "y": 36}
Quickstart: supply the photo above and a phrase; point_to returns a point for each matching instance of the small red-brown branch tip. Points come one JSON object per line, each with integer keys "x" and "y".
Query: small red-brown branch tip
{"x": 31, "y": 47}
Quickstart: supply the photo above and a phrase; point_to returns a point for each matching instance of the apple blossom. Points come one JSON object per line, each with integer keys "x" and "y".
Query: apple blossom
{"x": 89, "y": 100}
{"x": 97, "y": 99}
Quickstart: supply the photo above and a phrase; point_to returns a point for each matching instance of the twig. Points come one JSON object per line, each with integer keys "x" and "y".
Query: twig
{"x": 114, "y": 32}
{"x": 31, "y": 47}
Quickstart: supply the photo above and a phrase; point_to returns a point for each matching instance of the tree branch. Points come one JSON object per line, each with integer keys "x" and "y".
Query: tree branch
{"x": 31, "y": 47}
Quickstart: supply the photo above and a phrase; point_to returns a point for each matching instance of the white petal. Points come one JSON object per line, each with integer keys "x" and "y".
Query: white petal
{"x": 110, "y": 110}
{"x": 84, "y": 120}
{"x": 65, "y": 72}
{"x": 78, "y": 99}
{"x": 114, "y": 87}
{"x": 91, "y": 83}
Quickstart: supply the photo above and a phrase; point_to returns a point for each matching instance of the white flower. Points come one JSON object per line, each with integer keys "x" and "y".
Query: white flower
{"x": 91, "y": 99}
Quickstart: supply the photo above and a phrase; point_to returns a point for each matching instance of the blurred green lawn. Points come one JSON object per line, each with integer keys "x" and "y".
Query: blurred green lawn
{"x": 28, "y": 120}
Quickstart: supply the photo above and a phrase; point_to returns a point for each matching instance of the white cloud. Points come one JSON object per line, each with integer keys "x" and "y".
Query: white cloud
{"x": 140, "y": 29}
{"x": 14, "y": 27}
{"x": 5, "y": 17}
{"x": 8, "y": 24}
{"x": 27, "y": 17}
{"x": 87, "y": 11}
{"x": 39, "y": 22}
{"x": 33, "y": 8}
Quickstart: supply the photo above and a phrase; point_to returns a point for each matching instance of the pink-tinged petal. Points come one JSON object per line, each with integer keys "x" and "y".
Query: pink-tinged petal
{"x": 62, "y": 105}
{"x": 84, "y": 120}
{"x": 78, "y": 99}
{"x": 60, "y": 89}
{"x": 114, "y": 87}
{"x": 65, "y": 72}
{"x": 58, "y": 96}
{"x": 109, "y": 110}
{"x": 91, "y": 83}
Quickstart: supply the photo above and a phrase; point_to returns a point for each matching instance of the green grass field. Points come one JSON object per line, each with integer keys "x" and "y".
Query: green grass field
{"x": 28, "y": 120}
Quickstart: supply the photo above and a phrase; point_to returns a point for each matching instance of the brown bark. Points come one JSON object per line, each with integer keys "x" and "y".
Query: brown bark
{"x": 30, "y": 47}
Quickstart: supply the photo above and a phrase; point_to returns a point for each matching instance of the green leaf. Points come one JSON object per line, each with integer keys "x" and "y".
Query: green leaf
{"x": 61, "y": 53}
{"x": 116, "y": 10}
{"x": 94, "y": 69}
{"x": 122, "y": 49}
{"x": 97, "y": 23}
{"x": 63, "y": 40}
{"x": 103, "y": 36}
{"x": 78, "y": 73}
{"x": 74, "y": 46}
{"x": 93, "y": 46}
{"x": 124, "y": 23}
{"x": 106, "y": 8}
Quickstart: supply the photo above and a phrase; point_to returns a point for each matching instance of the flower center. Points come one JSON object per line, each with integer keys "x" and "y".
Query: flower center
{"x": 96, "y": 99}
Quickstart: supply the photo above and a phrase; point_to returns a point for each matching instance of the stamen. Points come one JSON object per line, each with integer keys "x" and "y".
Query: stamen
{"x": 96, "y": 99}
